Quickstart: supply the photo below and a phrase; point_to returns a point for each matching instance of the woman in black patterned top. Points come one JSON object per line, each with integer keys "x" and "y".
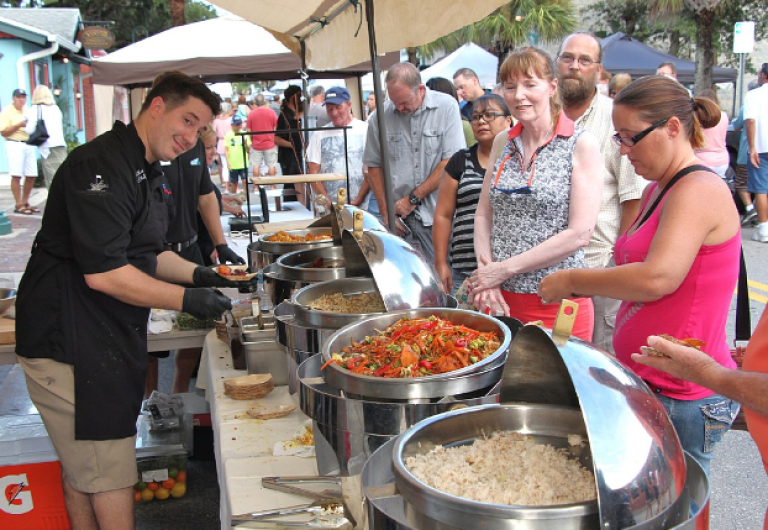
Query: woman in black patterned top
{"x": 540, "y": 199}
{"x": 458, "y": 195}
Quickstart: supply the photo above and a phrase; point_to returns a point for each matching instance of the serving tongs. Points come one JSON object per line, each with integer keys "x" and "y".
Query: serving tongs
{"x": 285, "y": 484}
{"x": 326, "y": 510}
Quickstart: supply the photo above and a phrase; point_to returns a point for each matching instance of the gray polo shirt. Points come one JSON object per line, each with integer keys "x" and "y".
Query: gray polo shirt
{"x": 417, "y": 143}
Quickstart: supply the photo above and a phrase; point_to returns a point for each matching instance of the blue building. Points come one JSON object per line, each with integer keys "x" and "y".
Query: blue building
{"x": 39, "y": 46}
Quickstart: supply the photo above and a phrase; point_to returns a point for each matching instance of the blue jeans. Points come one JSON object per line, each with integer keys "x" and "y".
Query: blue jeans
{"x": 700, "y": 424}
{"x": 458, "y": 278}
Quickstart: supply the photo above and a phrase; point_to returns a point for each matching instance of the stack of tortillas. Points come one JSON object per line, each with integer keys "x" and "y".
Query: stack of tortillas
{"x": 251, "y": 386}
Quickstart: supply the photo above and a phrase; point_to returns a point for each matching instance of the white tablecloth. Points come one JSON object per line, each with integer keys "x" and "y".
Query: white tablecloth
{"x": 243, "y": 445}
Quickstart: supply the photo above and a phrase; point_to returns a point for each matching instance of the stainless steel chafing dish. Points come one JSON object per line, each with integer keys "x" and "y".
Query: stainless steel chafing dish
{"x": 264, "y": 252}
{"x": 354, "y": 415}
{"x": 485, "y": 373}
{"x": 554, "y": 385}
{"x": 298, "y": 269}
{"x": 376, "y": 261}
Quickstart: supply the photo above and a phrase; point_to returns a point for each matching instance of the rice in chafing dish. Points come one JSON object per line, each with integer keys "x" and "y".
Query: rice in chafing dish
{"x": 505, "y": 468}
{"x": 338, "y": 303}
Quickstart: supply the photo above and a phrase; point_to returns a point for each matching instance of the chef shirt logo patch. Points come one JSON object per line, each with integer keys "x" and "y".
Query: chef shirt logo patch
{"x": 194, "y": 162}
{"x": 140, "y": 176}
{"x": 98, "y": 185}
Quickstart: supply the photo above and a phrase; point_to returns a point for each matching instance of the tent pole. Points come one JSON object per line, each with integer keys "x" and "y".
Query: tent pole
{"x": 384, "y": 149}
{"x": 305, "y": 104}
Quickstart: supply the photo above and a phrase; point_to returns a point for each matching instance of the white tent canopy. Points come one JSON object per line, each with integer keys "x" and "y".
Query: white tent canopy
{"x": 470, "y": 55}
{"x": 198, "y": 49}
{"x": 344, "y": 41}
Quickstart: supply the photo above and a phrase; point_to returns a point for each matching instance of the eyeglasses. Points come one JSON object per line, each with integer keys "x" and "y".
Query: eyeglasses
{"x": 567, "y": 58}
{"x": 525, "y": 190}
{"x": 632, "y": 140}
{"x": 486, "y": 116}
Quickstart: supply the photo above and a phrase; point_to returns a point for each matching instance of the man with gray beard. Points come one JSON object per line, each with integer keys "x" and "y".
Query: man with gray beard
{"x": 578, "y": 71}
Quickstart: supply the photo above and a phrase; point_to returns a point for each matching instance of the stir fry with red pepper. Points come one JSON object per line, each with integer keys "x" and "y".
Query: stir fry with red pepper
{"x": 417, "y": 347}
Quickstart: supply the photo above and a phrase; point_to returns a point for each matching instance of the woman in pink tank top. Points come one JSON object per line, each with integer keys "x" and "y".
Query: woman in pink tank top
{"x": 678, "y": 263}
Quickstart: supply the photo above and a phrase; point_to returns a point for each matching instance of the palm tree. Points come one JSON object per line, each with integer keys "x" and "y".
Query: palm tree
{"x": 511, "y": 25}
{"x": 704, "y": 12}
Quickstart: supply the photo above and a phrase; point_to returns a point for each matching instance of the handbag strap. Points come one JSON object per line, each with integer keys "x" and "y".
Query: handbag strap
{"x": 743, "y": 314}
{"x": 680, "y": 174}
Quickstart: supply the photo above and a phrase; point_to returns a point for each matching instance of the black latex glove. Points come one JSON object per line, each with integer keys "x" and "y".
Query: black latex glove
{"x": 227, "y": 255}
{"x": 207, "y": 277}
{"x": 205, "y": 303}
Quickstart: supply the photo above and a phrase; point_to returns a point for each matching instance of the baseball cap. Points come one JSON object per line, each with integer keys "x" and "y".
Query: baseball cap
{"x": 336, "y": 95}
{"x": 237, "y": 120}
{"x": 19, "y": 92}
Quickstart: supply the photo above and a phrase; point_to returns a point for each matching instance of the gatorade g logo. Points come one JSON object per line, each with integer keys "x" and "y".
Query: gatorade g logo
{"x": 17, "y": 499}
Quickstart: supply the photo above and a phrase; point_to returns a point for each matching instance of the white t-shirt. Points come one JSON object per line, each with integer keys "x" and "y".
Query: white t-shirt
{"x": 756, "y": 108}
{"x": 327, "y": 149}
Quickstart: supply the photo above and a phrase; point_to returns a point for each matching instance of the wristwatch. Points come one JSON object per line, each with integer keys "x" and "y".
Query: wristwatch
{"x": 414, "y": 199}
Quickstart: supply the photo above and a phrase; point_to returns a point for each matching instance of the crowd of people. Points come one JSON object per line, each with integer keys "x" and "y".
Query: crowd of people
{"x": 560, "y": 182}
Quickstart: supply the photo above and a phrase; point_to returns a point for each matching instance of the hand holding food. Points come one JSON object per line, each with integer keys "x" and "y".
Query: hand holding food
{"x": 691, "y": 343}
{"x": 680, "y": 358}
{"x": 221, "y": 276}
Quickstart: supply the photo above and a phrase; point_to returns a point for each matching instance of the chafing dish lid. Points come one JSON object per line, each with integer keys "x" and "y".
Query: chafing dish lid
{"x": 402, "y": 276}
{"x": 636, "y": 452}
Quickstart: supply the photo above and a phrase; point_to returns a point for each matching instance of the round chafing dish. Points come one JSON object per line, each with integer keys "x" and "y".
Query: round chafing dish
{"x": 294, "y": 271}
{"x": 545, "y": 423}
{"x": 348, "y": 429}
{"x": 387, "y": 508}
{"x": 314, "y": 265}
{"x": 329, "y": 319}
{"x": 639, "y": 467}
{"x": 635, "y": 448}
{"x": 306, "y": 330}
{"x": 263, "y": 252}
{"x": 280, "y": 248}
{"x": 488, "y": 370}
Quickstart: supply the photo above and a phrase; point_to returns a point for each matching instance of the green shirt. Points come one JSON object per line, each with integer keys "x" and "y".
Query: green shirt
{"x": 234, "y": 144}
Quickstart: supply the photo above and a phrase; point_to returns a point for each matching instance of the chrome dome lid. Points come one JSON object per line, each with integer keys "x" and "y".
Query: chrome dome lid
{"x": 403, "y": 277}
{"x": 636, "y": 452}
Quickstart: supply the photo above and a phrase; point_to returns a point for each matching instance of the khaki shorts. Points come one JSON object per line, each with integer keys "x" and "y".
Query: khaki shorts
{"x": 89, "y": 466}
{"x": 269, "y": 157}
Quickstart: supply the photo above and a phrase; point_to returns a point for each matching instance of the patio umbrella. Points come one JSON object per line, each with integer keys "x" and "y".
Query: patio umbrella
{"x": 329, "y": 34}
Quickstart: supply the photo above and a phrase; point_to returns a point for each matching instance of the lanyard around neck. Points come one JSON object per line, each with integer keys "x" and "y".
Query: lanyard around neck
{"x": 531, "y": 165}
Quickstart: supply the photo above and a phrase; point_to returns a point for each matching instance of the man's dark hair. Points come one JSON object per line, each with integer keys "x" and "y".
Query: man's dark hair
{"x": 176, "y": 87}
{"x": 260, "y": 100}
{"x": 441, "y": 84}
{"x": 764, "y": 69}
{"x": 317, "y": 90}
{"x": 466, "y": 72}
{"x": 672, "y": 67}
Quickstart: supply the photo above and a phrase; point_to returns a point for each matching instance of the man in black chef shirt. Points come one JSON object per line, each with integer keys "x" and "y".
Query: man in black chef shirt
{"x": 98, "y": 264}
{"x": 193, "y": 191}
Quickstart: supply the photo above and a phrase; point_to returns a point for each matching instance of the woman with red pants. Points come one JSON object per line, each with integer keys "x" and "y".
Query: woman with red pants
{"x": 540, "y": 199}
